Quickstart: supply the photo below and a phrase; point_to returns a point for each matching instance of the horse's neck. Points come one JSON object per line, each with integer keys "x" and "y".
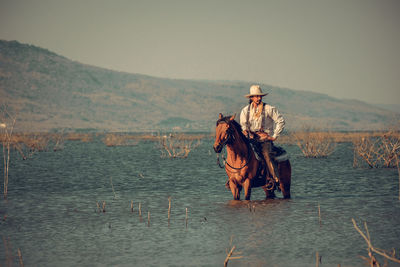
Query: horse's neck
{"x": 238, "y": 148}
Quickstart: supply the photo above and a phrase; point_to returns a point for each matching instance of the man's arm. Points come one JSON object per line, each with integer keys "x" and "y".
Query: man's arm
{"x": 279, "y": 122}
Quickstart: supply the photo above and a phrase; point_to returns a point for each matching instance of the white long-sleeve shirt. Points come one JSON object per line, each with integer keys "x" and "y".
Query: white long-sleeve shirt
{"x": 273, "y": 120}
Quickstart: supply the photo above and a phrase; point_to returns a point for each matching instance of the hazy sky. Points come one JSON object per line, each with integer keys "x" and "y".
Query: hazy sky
{"x": 343, "y": 48}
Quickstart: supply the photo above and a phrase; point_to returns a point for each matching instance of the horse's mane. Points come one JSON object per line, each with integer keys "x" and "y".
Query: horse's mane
{"x": 236, "y": 125}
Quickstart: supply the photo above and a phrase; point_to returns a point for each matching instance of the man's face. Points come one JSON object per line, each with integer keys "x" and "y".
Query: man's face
{"x": 256, "y": 99}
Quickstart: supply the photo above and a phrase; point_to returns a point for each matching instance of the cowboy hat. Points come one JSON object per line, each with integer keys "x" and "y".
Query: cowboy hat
{"x": 255, "y": 90}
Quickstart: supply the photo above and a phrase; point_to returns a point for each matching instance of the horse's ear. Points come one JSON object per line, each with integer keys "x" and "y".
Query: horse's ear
{"x": 233, "y": 117}
{"x": 221, "y": 116}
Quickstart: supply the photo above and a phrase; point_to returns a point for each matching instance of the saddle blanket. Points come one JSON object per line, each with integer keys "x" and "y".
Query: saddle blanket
{"x": 278, "y": 153}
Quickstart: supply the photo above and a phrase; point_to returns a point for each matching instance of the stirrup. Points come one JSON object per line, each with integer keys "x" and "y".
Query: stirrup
{"x": 277, "y": 186}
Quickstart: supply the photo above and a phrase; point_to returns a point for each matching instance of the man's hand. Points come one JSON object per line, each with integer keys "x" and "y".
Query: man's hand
{"x": 264, "y": 136}
{"x": 248, "y": 134}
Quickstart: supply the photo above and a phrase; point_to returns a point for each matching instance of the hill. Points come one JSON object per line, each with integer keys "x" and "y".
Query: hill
{"x": 50, "y": 91}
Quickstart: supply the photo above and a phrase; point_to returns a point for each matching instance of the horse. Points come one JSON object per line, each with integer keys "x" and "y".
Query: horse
{"x": 243, "y": 168}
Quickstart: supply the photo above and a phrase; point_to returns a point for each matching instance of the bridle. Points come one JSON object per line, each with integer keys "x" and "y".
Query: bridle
{"x": 231, "y": 139}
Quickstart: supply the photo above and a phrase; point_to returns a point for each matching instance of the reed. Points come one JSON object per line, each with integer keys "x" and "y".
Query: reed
{"x": 132, "y": 206}
{"x": 140, "y": 209}
{"x": 148, "y": 218}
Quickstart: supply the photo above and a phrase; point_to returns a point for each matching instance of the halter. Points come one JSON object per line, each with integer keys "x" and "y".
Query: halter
{"x": 231, "y": 139}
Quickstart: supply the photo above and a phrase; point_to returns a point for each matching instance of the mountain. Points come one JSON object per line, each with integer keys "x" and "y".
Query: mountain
{"x": 49, "y": 91}
{"x": 392, "y": 107}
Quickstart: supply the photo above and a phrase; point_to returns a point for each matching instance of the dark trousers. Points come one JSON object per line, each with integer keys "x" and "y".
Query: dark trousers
{"x": 271, "y": 164}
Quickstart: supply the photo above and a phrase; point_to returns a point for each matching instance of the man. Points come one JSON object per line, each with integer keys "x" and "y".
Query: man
{"x": 262, "y": 122}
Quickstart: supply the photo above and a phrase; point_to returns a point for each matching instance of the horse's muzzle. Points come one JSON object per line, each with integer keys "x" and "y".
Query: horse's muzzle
{"x": 218, "y": 148}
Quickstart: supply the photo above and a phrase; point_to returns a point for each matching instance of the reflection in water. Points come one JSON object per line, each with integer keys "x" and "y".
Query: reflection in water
{"x": 53, "y": 218}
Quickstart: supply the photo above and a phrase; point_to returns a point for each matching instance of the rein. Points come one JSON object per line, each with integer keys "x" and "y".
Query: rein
{"x": 226, "y": 163}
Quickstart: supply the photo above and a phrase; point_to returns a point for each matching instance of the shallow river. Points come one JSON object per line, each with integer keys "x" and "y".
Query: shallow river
{"x": 52, "y": 215}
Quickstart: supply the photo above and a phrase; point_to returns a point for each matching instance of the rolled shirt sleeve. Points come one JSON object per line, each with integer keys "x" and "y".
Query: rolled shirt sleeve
{"x": 278, "y": 122}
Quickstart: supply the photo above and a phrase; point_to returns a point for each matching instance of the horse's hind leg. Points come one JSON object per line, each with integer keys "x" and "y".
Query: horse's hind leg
{"x": 285, "y": 174}
{"x": 235, "y": 189}
{"x": 268, "y": 193}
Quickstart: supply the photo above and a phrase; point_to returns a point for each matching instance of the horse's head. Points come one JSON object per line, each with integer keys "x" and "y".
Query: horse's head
{"x": 223, "y": 132}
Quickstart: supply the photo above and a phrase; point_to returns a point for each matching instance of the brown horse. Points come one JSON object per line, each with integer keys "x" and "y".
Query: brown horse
{"x": 242, "y": 167}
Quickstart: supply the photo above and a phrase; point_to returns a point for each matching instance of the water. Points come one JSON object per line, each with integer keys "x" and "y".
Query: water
{"x": 52, "y": 215}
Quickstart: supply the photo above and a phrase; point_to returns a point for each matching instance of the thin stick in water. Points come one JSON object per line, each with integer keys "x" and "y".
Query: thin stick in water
{"x": 21, "y": 262}
{"x": 148, "y": 219}
{"x": 186, "y": 219}
{"x": 140, "y": 209}
{"x": 371, "y": 248}
{"x": 229, "y": 256}
{"x": 319, "y": 215}
{"x": 398, "y": 171}
{"x": 132, "y": 206}
{"x": 169, "y": 209}
{"x": 112, "y": 187}
{"x": 317, "y": 259}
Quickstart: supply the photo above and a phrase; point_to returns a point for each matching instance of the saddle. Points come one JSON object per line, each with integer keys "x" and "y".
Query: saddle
{"x": 277, "y": 154}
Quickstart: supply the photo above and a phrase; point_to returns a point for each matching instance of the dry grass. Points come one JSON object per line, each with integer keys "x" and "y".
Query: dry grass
{"x": 337, "y": 137}
{"x": 113, "y": 139}
{"x": 28, "y": 144}
{"x": 83, "y": 137}
{"x": 173, "y": 142}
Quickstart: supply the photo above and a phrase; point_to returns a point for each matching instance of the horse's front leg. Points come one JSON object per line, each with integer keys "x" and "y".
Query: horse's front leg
{"x": 235, "y": 189}
{"x": 247, "y": 189}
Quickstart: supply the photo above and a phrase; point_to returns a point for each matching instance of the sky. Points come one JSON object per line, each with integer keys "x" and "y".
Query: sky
{"x": 348, "y": 49}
